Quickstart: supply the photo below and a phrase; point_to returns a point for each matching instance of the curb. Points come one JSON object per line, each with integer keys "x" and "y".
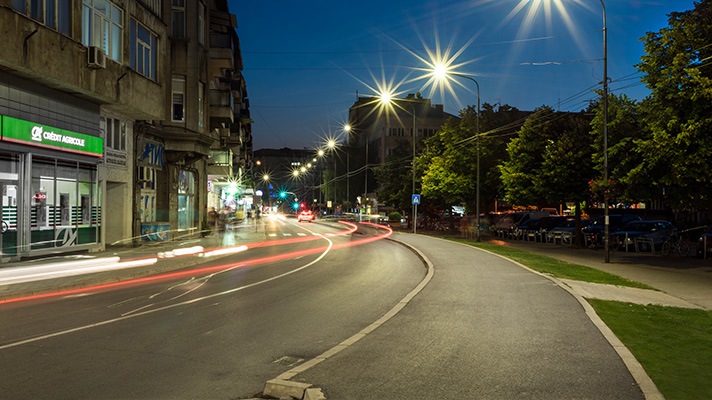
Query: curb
{"x": 645, "y": 383}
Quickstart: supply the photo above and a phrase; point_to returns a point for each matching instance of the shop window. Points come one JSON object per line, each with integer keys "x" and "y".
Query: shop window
{"x": 56, "y": 14}
{"x": 186, "y": 195}
{"x": 143, "y": 51}
{"x": 102, "y": 26}
{"x": 64, "y": 204}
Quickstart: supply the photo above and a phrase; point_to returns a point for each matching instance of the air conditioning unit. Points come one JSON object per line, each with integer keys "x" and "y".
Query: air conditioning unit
{"x": 96, "y": 57}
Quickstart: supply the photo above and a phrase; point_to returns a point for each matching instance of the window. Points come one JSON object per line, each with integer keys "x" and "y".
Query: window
{"x": 179, "y": 18}
{"x": 56, "y": 14}
{"x": 144, "y": 47}
{"x": 201, "y": 23}
{"x": 201, "y": 104}
{"x": 178, "y": 98}
{"x": 102, "y": 26}
{"x": 115, "y": 136}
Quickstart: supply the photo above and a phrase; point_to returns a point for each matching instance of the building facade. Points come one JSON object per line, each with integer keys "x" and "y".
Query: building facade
{"x": 90, "y": 121}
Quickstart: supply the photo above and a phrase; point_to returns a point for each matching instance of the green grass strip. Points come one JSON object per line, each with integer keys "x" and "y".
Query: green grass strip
{"x": 674, "y": 345}
{"x": 555, "y": 267}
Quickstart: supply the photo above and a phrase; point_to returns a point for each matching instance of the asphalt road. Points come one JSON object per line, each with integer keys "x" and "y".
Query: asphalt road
{"x": 483, "y": 328}
{"x": 220, "y": 333}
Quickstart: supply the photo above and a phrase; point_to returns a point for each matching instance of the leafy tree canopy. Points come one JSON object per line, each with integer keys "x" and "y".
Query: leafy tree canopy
{"x": 678, "y": 113}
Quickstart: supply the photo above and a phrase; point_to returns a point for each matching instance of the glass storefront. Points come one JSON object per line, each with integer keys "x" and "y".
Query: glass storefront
{"x": 64, "y": 204}
{"x": 9, "y": 177}
{"x": 186, "y": 200}
{"x": 61, "y": 209}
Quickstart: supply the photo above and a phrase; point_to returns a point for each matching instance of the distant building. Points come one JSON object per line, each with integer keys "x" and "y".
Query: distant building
{"x": 376, "y": 133}
{"x": 280, "y": 165}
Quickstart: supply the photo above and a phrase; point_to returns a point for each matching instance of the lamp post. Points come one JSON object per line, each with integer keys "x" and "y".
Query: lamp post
{"x": 385, "y": 98}
{"x": 332, "y": 146}
{"x": 441, "y": 72}
{"x": 606, "y": 231}
{"x": 347, "y": 129}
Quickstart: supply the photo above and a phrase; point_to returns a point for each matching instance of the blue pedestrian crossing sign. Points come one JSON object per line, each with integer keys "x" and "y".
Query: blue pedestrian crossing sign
{"x": 416, "y": 199}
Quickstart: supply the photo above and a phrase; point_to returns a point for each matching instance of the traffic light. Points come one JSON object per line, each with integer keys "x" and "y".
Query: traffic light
{"x": 301, "y": 205}
{"x": 296, "y": 206}
{"x": 282, "y": 194}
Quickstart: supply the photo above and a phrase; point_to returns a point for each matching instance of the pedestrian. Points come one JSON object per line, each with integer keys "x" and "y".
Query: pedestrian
{"x": 212, "y": 219}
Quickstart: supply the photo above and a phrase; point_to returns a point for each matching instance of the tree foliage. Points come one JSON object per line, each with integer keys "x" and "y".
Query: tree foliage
{"x": 678, "y": 113}
{"x": 395, "y": 177}
{"x": 449, "y": 161}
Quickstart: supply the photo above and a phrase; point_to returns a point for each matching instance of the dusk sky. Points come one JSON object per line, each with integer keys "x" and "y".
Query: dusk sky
{"x": 305, "y": 61}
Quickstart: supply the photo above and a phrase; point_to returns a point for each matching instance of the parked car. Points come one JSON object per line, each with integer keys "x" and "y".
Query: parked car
{"x": 305, "y": 216}
{"x": 657, "y": 231}
{"x": 594, "y": 232}
{"x": 701, "y": 242}
{"x": 504, "y": 224}
{"x": 565, "y": 231}
{"x": 519, "y": 231}
{"x": 548, "y": 223}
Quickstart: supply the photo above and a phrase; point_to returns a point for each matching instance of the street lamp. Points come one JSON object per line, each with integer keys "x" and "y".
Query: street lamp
{"x": 607, "y": 257}
{"x": 332, "y": 145}
{"x": 385, "y": 98}
{"x": 440, "y": 71}
{"x": 347, "y": 129}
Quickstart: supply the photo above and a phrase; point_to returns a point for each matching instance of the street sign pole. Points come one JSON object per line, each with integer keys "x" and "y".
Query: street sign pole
{"x": 416, "y": 201}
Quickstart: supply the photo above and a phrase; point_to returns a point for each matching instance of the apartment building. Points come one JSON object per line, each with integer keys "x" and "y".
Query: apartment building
{"x": 104, "y": 122}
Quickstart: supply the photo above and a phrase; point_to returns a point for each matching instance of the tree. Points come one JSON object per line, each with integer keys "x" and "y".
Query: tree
{"x": 449, "y": 160}
{"x": 448, "y": 165}
{"x": 632, "y": 181}
{"x": 395, "y": 178}
{"x": 678, "y": 113}
{"x": 521, "y": 170}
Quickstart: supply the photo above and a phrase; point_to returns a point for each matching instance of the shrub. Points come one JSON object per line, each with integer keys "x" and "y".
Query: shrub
{"x": 394, "y": 217}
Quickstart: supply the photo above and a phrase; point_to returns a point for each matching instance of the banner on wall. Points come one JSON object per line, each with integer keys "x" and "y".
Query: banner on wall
{"x": 33, "y": 134}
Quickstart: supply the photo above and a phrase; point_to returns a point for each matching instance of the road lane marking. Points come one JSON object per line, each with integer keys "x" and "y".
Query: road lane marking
{"x": 168, "y": 307}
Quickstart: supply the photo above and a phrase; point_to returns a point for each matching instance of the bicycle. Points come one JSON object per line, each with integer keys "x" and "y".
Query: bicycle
{"x": 676, "y": 245}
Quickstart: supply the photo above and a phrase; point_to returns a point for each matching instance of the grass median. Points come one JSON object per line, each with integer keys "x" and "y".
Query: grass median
{"x": 672, "y": 344}
{"x": 555, "y": 267}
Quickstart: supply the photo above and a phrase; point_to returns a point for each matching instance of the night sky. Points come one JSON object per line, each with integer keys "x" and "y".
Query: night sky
{"x": 305, "y": 62}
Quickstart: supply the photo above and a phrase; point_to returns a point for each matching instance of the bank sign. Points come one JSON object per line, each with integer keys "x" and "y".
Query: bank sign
{"x": 32, "y": 134}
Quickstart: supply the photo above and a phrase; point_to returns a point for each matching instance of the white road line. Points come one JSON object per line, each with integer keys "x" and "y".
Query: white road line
{"x": 168, "y": 307}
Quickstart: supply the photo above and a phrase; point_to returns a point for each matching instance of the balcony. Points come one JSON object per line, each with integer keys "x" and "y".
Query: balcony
{"x": 222, "y": 51}
{"x": 222, "y": 107}
{"x": 220, "y": 163}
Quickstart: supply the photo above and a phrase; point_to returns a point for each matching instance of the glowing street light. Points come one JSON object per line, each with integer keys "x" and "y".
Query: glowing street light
{"x": 386, "y": 99}
{"x": 441, "y": 73}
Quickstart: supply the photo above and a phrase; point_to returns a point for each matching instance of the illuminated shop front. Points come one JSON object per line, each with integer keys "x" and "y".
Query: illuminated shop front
{"x": 51, "y": 196}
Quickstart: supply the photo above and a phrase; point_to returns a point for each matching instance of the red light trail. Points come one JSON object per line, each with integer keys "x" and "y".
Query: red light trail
{"x": 241, "y": 264}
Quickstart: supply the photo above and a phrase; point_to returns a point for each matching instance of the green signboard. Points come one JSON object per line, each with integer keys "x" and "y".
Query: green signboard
{"x": 32, "y": 134}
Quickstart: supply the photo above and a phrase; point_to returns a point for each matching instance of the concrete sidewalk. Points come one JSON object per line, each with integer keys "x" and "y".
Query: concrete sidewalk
{"x": 683, "y": 282}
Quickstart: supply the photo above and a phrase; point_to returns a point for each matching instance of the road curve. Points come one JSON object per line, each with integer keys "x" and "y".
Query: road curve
{"x": 483, "y": 328}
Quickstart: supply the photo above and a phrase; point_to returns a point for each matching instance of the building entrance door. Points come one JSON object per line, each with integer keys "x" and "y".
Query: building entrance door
{"x": 8, "y": 225}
